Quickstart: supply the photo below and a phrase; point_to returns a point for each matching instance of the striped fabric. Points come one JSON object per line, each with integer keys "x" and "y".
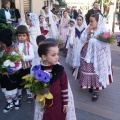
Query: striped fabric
{"x": 26, "y": 64}
{"x": 65, "y": 96}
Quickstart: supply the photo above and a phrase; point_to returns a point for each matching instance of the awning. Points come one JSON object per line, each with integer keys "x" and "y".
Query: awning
{"x": 62, "y": 3}
{"x": 55, "y": 2}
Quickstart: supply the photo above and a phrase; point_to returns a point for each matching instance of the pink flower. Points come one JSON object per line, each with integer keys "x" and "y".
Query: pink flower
{"x": 106, "y": 35}
{"x": 17, "y": 64}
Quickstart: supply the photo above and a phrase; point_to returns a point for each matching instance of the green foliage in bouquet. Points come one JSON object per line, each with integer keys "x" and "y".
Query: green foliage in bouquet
{"x": 35, "y": 86}
{"x": 107, "y": 37}
{"x": 5, "y": 26}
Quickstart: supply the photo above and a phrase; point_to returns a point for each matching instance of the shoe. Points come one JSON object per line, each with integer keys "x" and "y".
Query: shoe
{"x": 29, "y": 99}
{"x": 95, "y": 96}
{"x": 90, "y": 90}
{"x": 16, "y": 104}
{"x": 8, "y": 107}
{"x": 19, "y": 97}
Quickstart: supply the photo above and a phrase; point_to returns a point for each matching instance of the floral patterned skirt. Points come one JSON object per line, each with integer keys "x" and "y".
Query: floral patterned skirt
{"x": 86, "y": 75}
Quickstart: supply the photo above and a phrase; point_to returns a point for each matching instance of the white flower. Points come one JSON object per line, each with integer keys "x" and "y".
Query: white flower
{"x": 7, "y": 63}
{"x": 12, "y": 64}
{"x": 13, "y": 53}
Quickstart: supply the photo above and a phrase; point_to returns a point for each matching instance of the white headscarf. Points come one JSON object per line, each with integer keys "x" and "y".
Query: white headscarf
{"x": 78, "y": 44}
{"x": 84, "y": 25}
{"x": 35, "y": 21}
{"x": 99, "y": 54}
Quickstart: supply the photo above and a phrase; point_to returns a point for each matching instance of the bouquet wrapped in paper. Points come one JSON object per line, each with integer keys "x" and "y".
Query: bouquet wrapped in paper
{"x": 10, "y": 63}
{"x": 39, "y": 84}
{"x": 107, "y": 37}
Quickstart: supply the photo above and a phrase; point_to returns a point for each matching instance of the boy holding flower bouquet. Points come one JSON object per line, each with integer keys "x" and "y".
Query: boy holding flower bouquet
{"x": 9, "y": 64}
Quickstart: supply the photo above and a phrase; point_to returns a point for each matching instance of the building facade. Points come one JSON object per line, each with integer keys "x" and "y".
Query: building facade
{"x": 32, "y": 5}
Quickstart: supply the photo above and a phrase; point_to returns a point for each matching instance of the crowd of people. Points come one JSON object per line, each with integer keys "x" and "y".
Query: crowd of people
{"x": 36, "y": 41}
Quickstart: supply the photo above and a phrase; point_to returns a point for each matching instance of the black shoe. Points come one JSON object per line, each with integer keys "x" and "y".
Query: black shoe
{"x": 16, "y": 104}
{"x": 90, "y": 90}
{"x": 95, "y": 96}
{"x": 8, "y": 107}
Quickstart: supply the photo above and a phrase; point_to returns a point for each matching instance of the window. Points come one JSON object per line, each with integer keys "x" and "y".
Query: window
{"x": 27, "y": 6}
{"x": 46, "y": 3}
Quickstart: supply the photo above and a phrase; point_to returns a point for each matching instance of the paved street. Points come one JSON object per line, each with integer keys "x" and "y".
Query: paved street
{"x": 106, "y": 108}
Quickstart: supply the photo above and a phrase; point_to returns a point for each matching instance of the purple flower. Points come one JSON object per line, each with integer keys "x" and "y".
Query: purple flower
{"x": 10, "y": 70}
{"x": 118, "y": 36}
{"x": 42, "y": 76}
{"x": 36, "y": 67}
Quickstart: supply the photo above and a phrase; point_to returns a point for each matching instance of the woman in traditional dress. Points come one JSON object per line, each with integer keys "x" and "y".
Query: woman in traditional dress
{"x": 95, "y": 71}
{"x": 32, "y": 21}
{"x": 51, "y": 20}
{"x": 64, "y": 24}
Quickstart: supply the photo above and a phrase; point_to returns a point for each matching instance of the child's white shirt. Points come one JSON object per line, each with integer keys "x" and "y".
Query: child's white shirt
{"x": 29, "y": 57}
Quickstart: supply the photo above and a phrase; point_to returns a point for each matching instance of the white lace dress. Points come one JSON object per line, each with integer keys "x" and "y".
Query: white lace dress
{"x": 38, "y": 112}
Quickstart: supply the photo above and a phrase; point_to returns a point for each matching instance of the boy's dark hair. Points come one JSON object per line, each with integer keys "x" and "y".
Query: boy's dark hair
{"x": 51, "y": 40}
{"x": 40, "y": 39}
{"x": 44, "y": 48}
{"x": 95, "y": 3}
{"x": 22, "y": 29}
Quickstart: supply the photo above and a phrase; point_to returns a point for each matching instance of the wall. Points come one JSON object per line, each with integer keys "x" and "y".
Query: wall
{"x": 37, "y": 6}
{"x": 0, "y": 4}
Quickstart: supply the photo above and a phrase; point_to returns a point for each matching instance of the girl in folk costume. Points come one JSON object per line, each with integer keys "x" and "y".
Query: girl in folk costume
{"x": 9, "y": 82}
{"x": 34, "y": 30}
{"x": 58, "y": 19}
{"x": 25, "y": 48}
{"x": 95, "y": 71}
{"x": 63, "y": 104}
{"x": 64, "y": 24}
{"x": 44, "y": 26}
{"x": 51, "y": 20}
{"x": 73, "y": 56}
{"x": 70, "y": 35}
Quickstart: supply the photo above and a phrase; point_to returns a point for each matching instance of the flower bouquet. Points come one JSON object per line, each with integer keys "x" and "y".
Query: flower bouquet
{"x": 107, "y": 37}
{"x": 61, "y": 43}
{"x": 10, "y": 63}
{"x": 39, "y": 84}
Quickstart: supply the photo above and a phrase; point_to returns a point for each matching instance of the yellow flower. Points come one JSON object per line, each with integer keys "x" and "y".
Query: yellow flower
{"x": 27, "y": 86}
{"x": 36, "y": 81}
{"x": 27, "y": 77}
{"x": 31, "y": 79}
